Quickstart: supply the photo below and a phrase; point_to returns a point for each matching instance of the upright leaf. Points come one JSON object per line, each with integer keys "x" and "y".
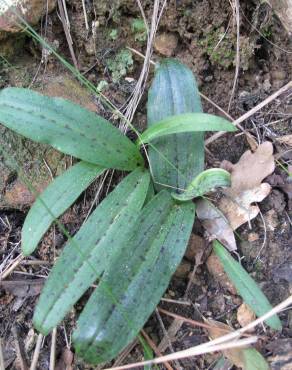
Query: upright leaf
{"x": 177, "y": 158}
{"x": 68, "y": 128}
{"x": 136, "y": 279}
{"x": 54, "y": 201}
{"x": 89, "y": 253}
{"x": 187, "y": 122}
{"x": 246, "y": 286}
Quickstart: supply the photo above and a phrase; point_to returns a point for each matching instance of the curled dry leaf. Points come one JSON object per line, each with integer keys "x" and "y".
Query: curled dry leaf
{"x": 236, "y": 207}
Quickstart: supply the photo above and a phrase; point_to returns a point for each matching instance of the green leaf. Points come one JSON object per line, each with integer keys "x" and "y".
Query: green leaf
{"x": 54, "y": 201}
{"x": 253, "y": 360}
{"x": 68, "y": 128}
{"x": 88, "y": 254}
{"x": 186, "y": 122}
{"x": 132, "y": 287}
{"x": 205, "y": 182}
{"x": 246, "y": 286}
{"x": 177, "y": 158}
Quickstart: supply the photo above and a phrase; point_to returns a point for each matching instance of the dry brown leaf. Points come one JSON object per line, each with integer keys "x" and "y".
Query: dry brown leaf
{"x": 245, "y": 315}
{"x": 252, "y": 168}
{"x": 236, "y": 206}
{"x": 235, "y": 355}
{"x": 286, "y": 139}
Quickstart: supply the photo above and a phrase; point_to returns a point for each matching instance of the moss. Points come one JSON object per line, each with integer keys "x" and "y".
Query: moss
{"x": 120, "y": 64}
{"x": 219, "y": 47}
{"x": 139, "y": 29}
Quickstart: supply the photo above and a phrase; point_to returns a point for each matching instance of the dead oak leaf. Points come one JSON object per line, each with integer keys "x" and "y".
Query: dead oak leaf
{"x": 251, "y": 168}
{"x": 236, "y": 207}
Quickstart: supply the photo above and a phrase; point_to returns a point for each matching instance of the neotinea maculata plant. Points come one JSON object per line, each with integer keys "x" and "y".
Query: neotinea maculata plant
{"x": 135, "y": 239}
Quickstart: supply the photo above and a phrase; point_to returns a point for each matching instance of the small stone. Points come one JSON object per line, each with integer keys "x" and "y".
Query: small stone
{"x": 245, "y": 315}
{"x": 30, "y": 10}
{"x": 166, "y": 43}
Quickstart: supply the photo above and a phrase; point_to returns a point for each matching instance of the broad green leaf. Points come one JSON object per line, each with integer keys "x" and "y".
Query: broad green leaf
{"x": 54, "y": 201}
{"x": 253, "y": 360}
{"x": 246, "y": 286}
{"x": 89, "y": 252}
{"x": 205, "y": 182}
{"x": 68, "y": 128}
{"x": 187, "y": 122}
{"x": 178, "y": 158}
{"x": 132, "y": 287}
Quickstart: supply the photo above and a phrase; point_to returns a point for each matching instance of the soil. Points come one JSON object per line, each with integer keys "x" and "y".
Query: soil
{"x": 191, "y": 32}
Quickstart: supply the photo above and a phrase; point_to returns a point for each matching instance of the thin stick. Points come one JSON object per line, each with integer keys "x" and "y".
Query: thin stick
{"x": 190, "y": 321}
{"x": 237, "y": 58}
{"x": 85, "y": 15}
{"x": 53, "y": 349}
{"x": 2, "y": 366}
{"x": 252, "y": 111}
{"x": 36, "y": 353}
{"x": 19, "y": 350}
{"x": 12, "y": 267}
{"x": 155, "y": 349}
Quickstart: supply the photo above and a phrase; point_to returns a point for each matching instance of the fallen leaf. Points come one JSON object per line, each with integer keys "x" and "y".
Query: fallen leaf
{"x": 236, "y": 207}
{"x": 251, "y": 168}
{"x": 245, "y": 315}
{"x": 215, "y": 223}
{"x": 216, "y": 330}
{"x": 286, "y": 139}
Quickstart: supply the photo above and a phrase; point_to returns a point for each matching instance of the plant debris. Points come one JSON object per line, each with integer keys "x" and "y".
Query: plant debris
{"x": 235, "y": 207}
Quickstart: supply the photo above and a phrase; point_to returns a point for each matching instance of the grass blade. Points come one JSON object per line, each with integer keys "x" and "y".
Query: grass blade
{"x": 100, "y": 237}
{"x": 68, "y": 128}
{"x": 58, "y": 196}
{"x": 187, "y": 122}
{"x": 246, "y": 286}
{"x": 137, "y": 279}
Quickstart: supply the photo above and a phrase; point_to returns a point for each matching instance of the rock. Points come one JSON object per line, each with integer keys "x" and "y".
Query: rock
{"x": 166, "y": 43}
{"x": 216, "y": 269}
{"x": 37, "y": 161}
{"x": 30, "y": 10}
{"x": 245, "y": 315}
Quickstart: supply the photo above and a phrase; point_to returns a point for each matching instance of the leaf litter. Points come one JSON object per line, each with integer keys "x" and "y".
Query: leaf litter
{"x": 236, "y": 206}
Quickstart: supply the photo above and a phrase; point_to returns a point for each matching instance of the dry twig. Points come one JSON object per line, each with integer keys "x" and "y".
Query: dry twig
{"x": 36, "y": 353}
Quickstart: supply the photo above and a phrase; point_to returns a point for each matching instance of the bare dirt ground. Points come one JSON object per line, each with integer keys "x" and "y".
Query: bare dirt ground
{"x": 201, "y": 34}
